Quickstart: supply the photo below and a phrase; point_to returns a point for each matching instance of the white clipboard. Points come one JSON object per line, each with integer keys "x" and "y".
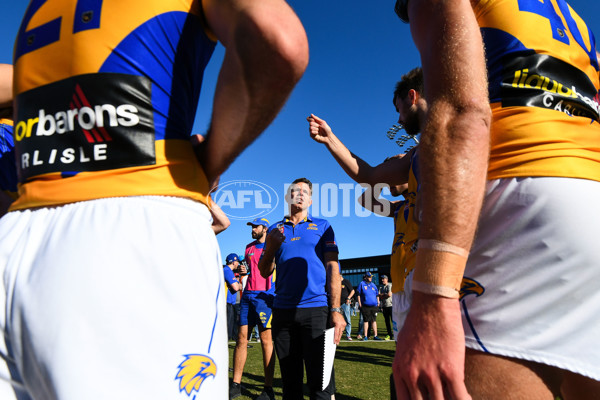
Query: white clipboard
{"x": 328, "y": 356}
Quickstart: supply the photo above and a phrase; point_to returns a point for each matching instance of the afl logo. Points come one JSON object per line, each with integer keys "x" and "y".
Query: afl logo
{"x": 245, "y": 199}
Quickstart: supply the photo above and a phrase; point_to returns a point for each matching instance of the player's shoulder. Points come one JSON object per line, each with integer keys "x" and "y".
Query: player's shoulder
{"x": 274, "y": 225}
{"x": 317, "y": 220}
{"x": 319, "y": 223}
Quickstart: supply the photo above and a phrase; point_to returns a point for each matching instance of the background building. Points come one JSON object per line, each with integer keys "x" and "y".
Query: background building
{"x": 354, "y": 269}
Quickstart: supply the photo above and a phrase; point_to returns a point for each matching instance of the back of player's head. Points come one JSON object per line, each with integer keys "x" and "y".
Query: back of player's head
{"x": 413, "y": 79}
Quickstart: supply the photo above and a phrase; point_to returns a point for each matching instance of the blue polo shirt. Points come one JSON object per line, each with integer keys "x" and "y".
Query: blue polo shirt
{"x": 301, "y": 274}
{"x": 229, "y": 278}
{"x": 368, "y": 294}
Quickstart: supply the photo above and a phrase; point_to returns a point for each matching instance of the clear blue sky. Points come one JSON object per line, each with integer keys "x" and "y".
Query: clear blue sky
{"x": 358, "y": 50}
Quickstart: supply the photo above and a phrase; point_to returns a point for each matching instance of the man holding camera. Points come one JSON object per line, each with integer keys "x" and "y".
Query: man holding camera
{"x": 232, "y": 266}
{"x": 255, "y": 309}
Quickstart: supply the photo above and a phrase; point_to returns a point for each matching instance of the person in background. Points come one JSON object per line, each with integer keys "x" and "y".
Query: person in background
{"x": 347, "y": 293}
{"x": 255, "y": 311}
{"x": 400, "y": 173}
{"x": 385, "y": 300}
{"x": 368, "y": 300}
{"x": 307, "y": 301}
{"x": 233, "y": 287}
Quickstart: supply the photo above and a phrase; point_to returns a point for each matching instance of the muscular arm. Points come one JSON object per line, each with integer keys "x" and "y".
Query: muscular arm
{"x": 234, "y": 287}
{"x": 273, "y": 242}
{"x": 392, "y": 172}
{"x": 334, "y": 290}
{"x": 266, "y": 53}
{"x": 220, "y": 220}
{"x": 454, "y": 148}
{"x": 371, "y": 201}
{"x": 6, "y": 80}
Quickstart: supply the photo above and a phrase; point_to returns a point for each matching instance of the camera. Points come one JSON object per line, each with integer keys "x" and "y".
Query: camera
{"x": 242, "y": 269}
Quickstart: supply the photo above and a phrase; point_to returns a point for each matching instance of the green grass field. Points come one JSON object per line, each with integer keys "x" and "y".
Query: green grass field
{"x": 362, "y": 369}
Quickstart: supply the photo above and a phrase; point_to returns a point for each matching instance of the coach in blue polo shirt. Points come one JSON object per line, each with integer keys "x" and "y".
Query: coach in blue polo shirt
{"x": 308, "y": 290}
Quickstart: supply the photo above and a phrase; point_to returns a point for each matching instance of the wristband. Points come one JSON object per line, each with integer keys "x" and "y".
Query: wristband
{"x": 439, "y": 268}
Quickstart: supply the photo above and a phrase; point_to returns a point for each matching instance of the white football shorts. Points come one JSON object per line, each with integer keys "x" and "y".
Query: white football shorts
{"x": 401, "y": 301}
{"x": 118, "y": 298}
{"x": 532, "y": 282}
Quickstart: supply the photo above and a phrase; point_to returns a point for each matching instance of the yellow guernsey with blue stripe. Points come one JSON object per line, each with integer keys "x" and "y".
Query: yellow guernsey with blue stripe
{"x": 406, "y": 227}
{"x": 106, "y": 110}
{"x": 543, "y": 82}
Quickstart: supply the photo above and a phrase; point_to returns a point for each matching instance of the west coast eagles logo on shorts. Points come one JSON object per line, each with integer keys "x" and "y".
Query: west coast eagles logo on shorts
{"x": 470, "y": 286}
{"x": 193, "y": 371}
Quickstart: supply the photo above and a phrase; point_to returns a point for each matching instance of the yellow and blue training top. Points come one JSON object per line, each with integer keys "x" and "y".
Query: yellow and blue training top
{"x": 406, "y": 228}
{"x": 106, "y": 93}
{"x": 543, "y": 83}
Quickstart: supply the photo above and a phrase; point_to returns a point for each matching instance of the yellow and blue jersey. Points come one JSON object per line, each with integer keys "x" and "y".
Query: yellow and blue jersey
{"x": 543, "y": 86}
{"x": 106, "y": 94}
{"x": 300, "y": 261}
{"x": 8, "y": 170}
{"x": 406, "y": 229}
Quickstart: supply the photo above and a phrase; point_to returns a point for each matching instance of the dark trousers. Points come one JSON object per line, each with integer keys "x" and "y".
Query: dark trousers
{"x": 231, "y": 321}
{"x": 387, "y": 316}
{"x": 299, "y": 341}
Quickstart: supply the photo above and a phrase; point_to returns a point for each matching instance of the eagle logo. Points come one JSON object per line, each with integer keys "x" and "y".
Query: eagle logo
{"x": 470, "y": 286}
{"x": 193, "y": 371}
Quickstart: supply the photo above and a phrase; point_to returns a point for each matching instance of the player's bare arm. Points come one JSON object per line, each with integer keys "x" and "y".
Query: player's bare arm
{"x": 220, "y": 220}
{"x": 393, "y": 172}
{"x": 371, "y": 201}
{"x": 454, "y": 148}
{"x": 6, "y": 80}
{"x": 266, "y": 53}
{"x": 334, "y": 290}
{"x": 234, "y": 287}
{"x": 273, "y": 242}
